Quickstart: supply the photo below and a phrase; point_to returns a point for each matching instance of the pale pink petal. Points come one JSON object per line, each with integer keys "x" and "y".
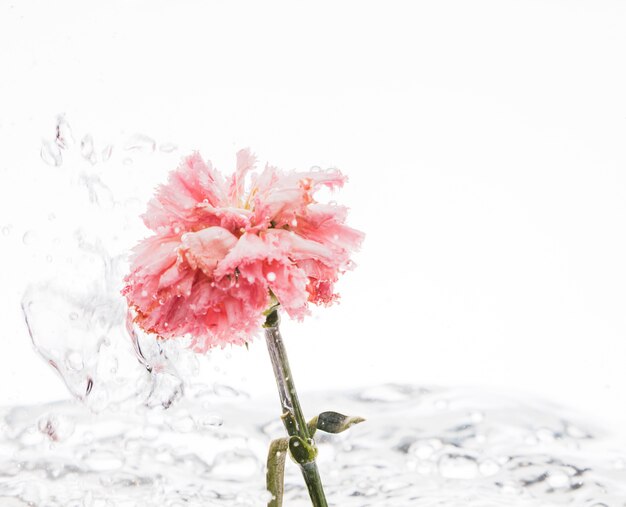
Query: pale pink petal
{"x": 175, "y": 204}
{"x": 251, "y": 248}
{"x": 205, "y": 248}
{"x": 298, "y": 247}
{"x": 245, "y": 162}
{"x": 289, "y": 284}
{"x": 233, "y": 219}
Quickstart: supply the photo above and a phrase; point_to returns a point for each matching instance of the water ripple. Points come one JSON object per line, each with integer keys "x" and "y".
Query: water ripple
{"x": 418, "y": 447}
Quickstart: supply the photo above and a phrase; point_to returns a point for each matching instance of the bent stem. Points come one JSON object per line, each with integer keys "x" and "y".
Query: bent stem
{"x": 301, "y": 444}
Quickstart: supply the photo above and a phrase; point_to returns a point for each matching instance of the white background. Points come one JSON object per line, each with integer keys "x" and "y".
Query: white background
{"x": 484, "y": 142}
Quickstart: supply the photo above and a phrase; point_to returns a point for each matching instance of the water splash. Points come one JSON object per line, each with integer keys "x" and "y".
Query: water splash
{"x": 51, "y": 154}
{"x": 419, "y": 447}
{"x": 121, "y": 446}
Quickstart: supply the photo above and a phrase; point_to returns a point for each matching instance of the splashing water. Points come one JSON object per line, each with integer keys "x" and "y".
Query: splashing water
{"x": 140, "y": 433}
{"x": 76, "y": 314}
{"x": 418, "y": 447}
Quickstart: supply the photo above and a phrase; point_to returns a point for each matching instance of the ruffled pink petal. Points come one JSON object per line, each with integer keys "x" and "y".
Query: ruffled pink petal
{"x": 251, "y": 248}
{"x": 205, "y": 248}
{"x": 300, "y": 248}
{"x": 233, "y": 219}
{"x": 289, "y": 284}
{"x": 245, "y": 162}
{"x": 175, "y": 204}
{"x": 220, "y": 251}
{"x": 279, "y": 196}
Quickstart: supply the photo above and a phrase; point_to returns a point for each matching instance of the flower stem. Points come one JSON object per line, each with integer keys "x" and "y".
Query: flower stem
{"x": 292, "y": 417}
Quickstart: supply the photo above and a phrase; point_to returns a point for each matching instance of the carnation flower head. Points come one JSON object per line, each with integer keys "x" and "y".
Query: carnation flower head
{"x": 222, "y": 248}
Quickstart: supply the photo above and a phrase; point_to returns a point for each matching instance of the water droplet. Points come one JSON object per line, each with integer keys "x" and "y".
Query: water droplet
{"x": 271, "y": 276}
{"x": 29, "y": 237}
{"x": 49, "y": 258}
{"x": 6, "y": 230}
{"x": 63, "y": 136}
{"x": 168, "y": 147}
{"x": 87, "y": 150}
{"x": 51, "y": 154}
{"x": 56, "y": 427}
{"x": 107, "y": 152}
{"x": 140, "y": 142}
{"x": 209, "y": 421}
{"x": 127, "y": 161}
{"x": 294, "y": 222}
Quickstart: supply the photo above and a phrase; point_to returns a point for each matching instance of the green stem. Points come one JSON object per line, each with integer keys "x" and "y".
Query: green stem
{"x": 293, "y": 418}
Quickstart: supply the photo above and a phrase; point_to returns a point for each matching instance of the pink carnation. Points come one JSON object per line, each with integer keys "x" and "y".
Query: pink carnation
{"x": 220, "y": 246}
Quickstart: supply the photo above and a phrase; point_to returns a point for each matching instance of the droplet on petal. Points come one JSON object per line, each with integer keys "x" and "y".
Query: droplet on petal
{"x": 271, "y": 276}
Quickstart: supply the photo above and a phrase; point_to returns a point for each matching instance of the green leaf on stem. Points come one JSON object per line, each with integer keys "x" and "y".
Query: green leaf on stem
{"x": 334, "y": 422}
{"x": 275, "y": 478}
{"x": 302, "y": 451}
